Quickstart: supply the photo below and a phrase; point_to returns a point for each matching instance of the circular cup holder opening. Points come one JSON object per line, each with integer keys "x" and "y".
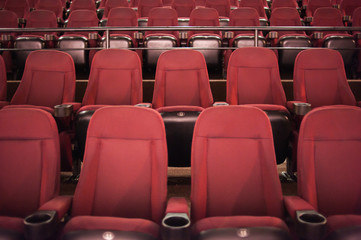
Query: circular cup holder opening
{"x": 38, "y": 218}
{"x": 312, "y": 218}
{"x": 176, "y": 222}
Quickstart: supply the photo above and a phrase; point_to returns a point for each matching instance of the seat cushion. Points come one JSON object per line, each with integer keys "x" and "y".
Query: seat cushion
{"x": 112, "y": 223}
{"x": 47, "y": 109}
{"x": 12, "y": 223}
{"x": 337, "y": 222}
{"x": 237, "y": 221}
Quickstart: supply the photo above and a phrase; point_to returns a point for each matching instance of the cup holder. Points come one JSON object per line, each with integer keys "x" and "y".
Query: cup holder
{"x": 63, "y": 110}
{"x": 301, "y": 109}
{"x": 310, "y": 224}
{"x": 40, "y": 225}
{"x": 176, "y": 226}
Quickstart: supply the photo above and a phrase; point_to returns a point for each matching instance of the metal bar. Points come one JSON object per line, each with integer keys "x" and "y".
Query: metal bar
{"x": 107, "y": 39}
{"x": 256, "y": 37}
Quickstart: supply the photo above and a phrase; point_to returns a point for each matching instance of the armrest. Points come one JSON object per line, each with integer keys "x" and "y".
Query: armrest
{"x": 273, "y": 35}
{"x": 298, "y": 108}
{"x": 63, "y": 110}
{"x": 317, "y": 35}
{"x": 146, "y": 105}
{"x": 60, "y": 204}
{"x": 295, "y": 203}
{"x": 308, "y": 20}
{"x": 3, "y": 104}
{"x": 176, "y": 223}
{"x": 218, "y": 104}
{"x": 359, "y": 103}
{"x": 76, "y": 106}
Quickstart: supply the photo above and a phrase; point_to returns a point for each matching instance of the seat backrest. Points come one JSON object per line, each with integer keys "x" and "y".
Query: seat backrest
{"x": 182, "y": 79}
{"x": 223, "y": 7}
{"x": 82, "y": 4}
{"x": 183, "y": 7}
{"x": 329, "y": 145}
{"x": 256, "y": 4}
{"x": 122, "y": 17}
{"x": 2, "y": 3}
{"x": 82, "y": 18}
{"x": 113, "y": 4}
{"x": 112, "y": 83}
{"x": 8, "y": 19}
{"x": 204, "y": 17}
{"x": 41, "y": 19}
{"x": 245, "y": 17}
{"x": 20, "y": 7}
{"x": 48, "y": 79}
{"x": 55, "y": 6}
{"x": 327, "y": 16}
{"x": 228, "y": 158}
{"x": 162, "y": 16}
{"x": 286, "y": 16}
{"x": 253, "y": 77}
{"x": 144, "y": 6}
{"x": 30, "y": 165}
{"x": 125, "y": 165}
{"x": 348, "y": 6}
{"x": 283, "y": 3}
{"x": 313, "y": 5}
{"x": 3, "y": 79}
{"x": 356, "y": 17}
{"x": 320, "y": 79}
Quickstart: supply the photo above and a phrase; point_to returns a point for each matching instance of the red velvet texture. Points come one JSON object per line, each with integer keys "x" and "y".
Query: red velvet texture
{"x": 257, "y": 4}
{"x": 48, "y": 80}
{"x": 2, "y": 80}
{"x": 122, "y": 17}
{"x": 144, "y": 6}
{"x": 111, "y": 83}
{"x": 41, "y": 19}
{"x": 313, "y": 5}
{"x": 204, "y": 17}
{"x": 183, "y": 7}
{"x": 162, "y": 16}
{"x": 82, "y": 5}
{"x": 235, "y": 159}
{"x": 56, "y": 6}
{"x": 110, "y": 4}
{"x": 286, "y": 16}
{"x": 125, "y": 168}
{"x": 283, "y": 3}
{"x": 253, "y": 78}
{"x": 28, "y": 178}
{"x": 182, "y": 79}
{"x": 81, "y": 19}
{"x": 20, "y": 7}
{"x": 314, "y": 70}
{"x": 245, "y": 16}
{"x": 348, "y": 6}
{"x": 223, "y": 7}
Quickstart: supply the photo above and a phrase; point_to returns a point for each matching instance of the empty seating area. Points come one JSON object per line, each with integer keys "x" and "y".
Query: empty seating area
{"x": 180, "y": 119}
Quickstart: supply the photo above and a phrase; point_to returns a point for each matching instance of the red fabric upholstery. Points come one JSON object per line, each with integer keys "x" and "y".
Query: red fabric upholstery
{"x": 48, "y": 80}
{"x": 177, "y": 205}
{"x": 20, "y": 7}
{"x": 295, "y": 203}
{"x": 286, "y": 16}
{"x": 162, "y": 16}
{"x": 111, "y": 83}
{"x": 144, "y": 6}
{"x": 237, "y": 222}
{"x": 329, "y": 17}
{"x": 313, "y": 5}
{"x": 348, "y": 6}
{"x": 182, "y": 79}
{"x": 283, "y": 3}
{"x": 110, "y": 4}
{"x": 204, "y": 17}
{"x": 2, "y": 80}
{"x": 253, "y": 78}
{"x": 122, "y": 17}
{"x": 112, "y": 223}
{"x": 244, "y": 16}
{"x": 356, "y": 17}
{"x": 123, "y": 143}
{"x": 223, "y": 7}
{"x": 342, "y": 221}
{"x": 183, "y": 7}
{"x": 80, "y": 19}
{"x": 29, "y": 177}
{"x": 258, "y": 5}
{"x": 55, "y": 6}
{"x": 41, "y": 19}
{"x": 324, "y": 154}
{"x": 47, "y": 109}
{"x": 12, "y": 223}
{"x": 235, "y": 159}
{"x": 60, "y": 204}
{"x": 320, "y": 79}
{"x": 82, "y": 5}
{"x": 8, "y": 19}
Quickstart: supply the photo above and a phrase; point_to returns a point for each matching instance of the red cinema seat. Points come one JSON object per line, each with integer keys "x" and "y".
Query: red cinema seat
{"x": 313, "y": 5}
{"x": 144, "y": 7}
{"x": 284, "y": 3}
{"x": 332, "y": 17}
{"x": 232, "y": 147}
{"x": 35, "y": 40}
{"x": 82, "y": 5}
{"x": 123, "y": 183}
{"x": 259, "y": 6}
{"x": 286, "y": 16}
{"x": 223, "y": 7}
{"x": 253, "y": 79}
{"x": 110, "y": 83}
{"x": 329, "y": 182}
{"x": 349, "y": 6}
{"x": 20, "y": 7}
{"x": 121, "y": 17}
{"x": 160, "y": 16}
{"x": 183, "y": 7}
{"x": 181, "y": 92}
{"x": 206, "y": 39}
{"x": 55, "y": 6}
{"x": 356, "y": 22}
{"x": 80, "y": 19}
{"x": 3, "y": 87}
{"x": 29, "y": 175}
{"x": 320, "y": 79}
{"x": 110, "y": 4}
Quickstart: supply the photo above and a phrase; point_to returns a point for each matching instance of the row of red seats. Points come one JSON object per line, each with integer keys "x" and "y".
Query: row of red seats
{"x": 182, "y": 90}
{"x": 235, "y": 190}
